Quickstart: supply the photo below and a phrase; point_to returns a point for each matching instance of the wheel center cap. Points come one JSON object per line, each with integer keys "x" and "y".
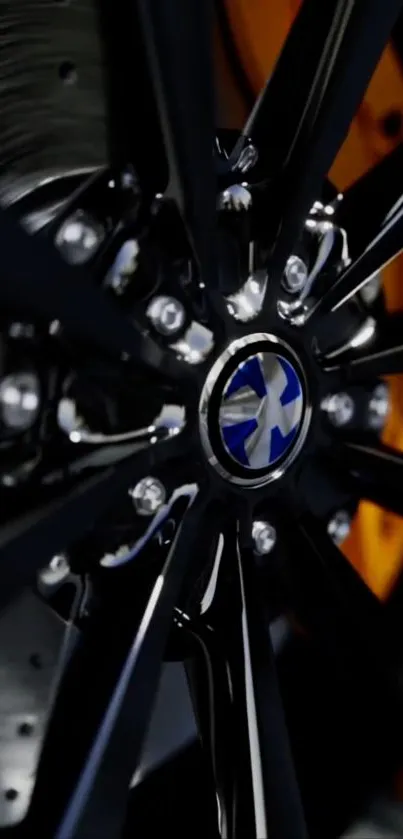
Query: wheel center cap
{"x": 253, "y": 410}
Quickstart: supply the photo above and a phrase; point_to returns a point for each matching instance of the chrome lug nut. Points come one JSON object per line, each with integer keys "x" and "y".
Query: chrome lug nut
{"x": 57, "y": 571}
{"x": 378, "y": 408}
{"x": 340, "y": 409}
{"x": 79, "y": 238}
{"x": 19, "y": 400}
{"x": 148, "y": 496}
{"x": 264, "y": 537}
{"x": 339, "y": 526}
{"x": 235, "y": 197}
{"x": 295, "y": 274}
{"x": 167, "y": 315}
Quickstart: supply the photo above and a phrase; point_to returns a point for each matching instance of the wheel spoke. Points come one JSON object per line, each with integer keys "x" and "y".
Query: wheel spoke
{"x": 378, "y": 473}
{"x": 322, "y": 74}
{"x": 39, "y": 281}
{"x": 369, "y": 200}
{"x": 384, "y": 247}
{"x": 104, "y": 703}
{"x": 331, "y": 599}
{"x": 382, "y": 358}
{"x": 28, "y": 542}
{"x": 177, "y": 37}
{"x": 234, "y": 686}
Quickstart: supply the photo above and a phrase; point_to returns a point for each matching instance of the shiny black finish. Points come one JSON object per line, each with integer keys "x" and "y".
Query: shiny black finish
{"x": 378, "y": 470}
{"x": 178, "y": 44}
{"x": 233, "y": 682}
{"x": 108, "y": 685}
{"x": 120, "y": 666}
{"x": 383, "y": 357}
{"x": 322, "y": 74}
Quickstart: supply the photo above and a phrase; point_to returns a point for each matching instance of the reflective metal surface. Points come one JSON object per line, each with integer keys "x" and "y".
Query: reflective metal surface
{"x": 169, "y": 423}
{"x": 263, "y": 414}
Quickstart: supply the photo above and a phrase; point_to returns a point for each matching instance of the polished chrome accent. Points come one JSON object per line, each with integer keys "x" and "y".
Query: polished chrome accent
{"x": 339, "y": 408}
{"x": 247, "y": 158}
{"x": 235, "y": 197}
{"x": 371, "y": 290}
{"x": 19, "y": 400}
{"x": 258, "y": 788}
{"x": 361, "y": 338}
{"x": 169, "y": 423}
{"x": 55, "y": 572}
{"x": 274, "y": 345}
{"x": 379, "y": 407}
{"x": 339, "y": 526}
{"x": 79, "y": 237}
{"x": 246, "y": 303}
{"x": 167, "y": 314}
{"x": 209, "y": 592}
{"x": 123, "y": 268}
{"x": 264, "y": 537}
{"x": 196, "y": 343}
{"x": 295, "y": 274}
{"x": 188, "y": 491}
{"x": 148, "y": 496}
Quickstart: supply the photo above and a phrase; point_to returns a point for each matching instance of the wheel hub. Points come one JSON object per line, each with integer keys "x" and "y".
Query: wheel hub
{"x": 254, "y": 410}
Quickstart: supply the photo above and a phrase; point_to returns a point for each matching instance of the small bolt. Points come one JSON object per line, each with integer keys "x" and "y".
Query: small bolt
{"x": 166, "y": 314}
{"x": 79, "y": 237}
{"x": 148, "y": 496}
{"x": 57, "y": 571}
{"x": 235, "y": 197}
{"x": 19, "y": 400}
{"x": 295, "y": 274}
{"x": 339, "y": 526}
{"x": 264, "y": 537}
{"x": 340, "y": 409}
{"x": 378, "y": 408}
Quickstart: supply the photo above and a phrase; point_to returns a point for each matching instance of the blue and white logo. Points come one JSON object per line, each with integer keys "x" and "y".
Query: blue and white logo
{"x": 261, "y": 410}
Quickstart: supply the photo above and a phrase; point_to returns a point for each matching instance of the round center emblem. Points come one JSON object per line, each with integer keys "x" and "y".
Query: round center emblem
{"x": 253, "y": 410}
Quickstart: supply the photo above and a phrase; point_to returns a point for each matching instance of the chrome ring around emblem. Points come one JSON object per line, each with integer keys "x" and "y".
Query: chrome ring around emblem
{"x": 254, "y": 412}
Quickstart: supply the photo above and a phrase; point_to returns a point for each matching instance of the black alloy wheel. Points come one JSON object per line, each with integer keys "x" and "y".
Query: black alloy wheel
{"x": 192, "y": 391}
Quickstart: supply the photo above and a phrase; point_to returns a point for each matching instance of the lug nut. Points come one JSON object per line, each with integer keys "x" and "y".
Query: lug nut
{"x": 264, "y": 537}
{"x": 339, "y": 527}
{"x": 340, "y": 409}
{"x": 148, "y": 496}
{"x": 167, "y": 315}
{"x": 57, "y": 571}
{"x": 79, "y": 237}
{"x": 19, "y": 400}
{"x": 235, "y": 197}
{"x": 378, "y": 408}
{"x": 295, "y": 274}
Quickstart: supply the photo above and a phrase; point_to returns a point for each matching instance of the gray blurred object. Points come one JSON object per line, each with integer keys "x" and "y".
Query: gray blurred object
{"x": 31, "y": 637}
{"x": 53, "y": 111}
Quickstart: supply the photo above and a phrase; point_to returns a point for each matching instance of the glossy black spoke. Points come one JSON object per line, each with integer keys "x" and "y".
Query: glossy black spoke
{"x": 234, "y": 686}
{"x": 28, "y": 542}
{"x": 322, "y": 73}
{"x": 177, "y": 37}
{"x": 369, "y": 200}
{"x": 39, "y": 282}
{"x": 383, "y": 357}
{"x": 105, "y": 699}
{"x": 332, "y": 601}
{"x": 378, "y": 473}
{"x": 384, "y": 247}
